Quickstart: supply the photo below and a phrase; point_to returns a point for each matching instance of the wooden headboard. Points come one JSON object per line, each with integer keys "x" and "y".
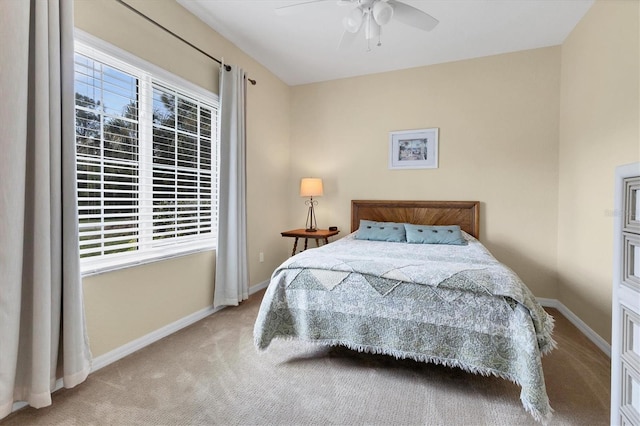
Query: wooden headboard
{"x": 463, "y": 213}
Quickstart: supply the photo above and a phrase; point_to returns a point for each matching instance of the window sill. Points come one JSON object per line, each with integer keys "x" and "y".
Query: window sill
{"x": 119, "y": 264}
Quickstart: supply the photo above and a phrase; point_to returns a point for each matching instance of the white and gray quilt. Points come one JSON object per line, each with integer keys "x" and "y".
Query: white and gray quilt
{"x": 451, "y": 305}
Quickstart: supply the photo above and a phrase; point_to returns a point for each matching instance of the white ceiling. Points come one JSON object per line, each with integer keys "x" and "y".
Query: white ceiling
{"x": 301, "y": 47}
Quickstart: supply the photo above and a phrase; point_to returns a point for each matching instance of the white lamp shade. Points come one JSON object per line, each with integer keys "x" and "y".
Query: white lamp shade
{"x": 311, "y": 187}
{"x": 382, "y": 12}
{"x": 353, "y": 21}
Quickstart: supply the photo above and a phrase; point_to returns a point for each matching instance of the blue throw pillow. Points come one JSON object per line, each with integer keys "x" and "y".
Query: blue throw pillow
{"x": 430, "y": 234}
{"x": 381, "y": 231}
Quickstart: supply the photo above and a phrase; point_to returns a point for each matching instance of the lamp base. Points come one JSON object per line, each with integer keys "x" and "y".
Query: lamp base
{"x": 311, "y": 225}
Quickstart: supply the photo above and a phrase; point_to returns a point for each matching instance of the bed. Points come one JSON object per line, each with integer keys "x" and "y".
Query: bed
{"x": 452, "y": 304}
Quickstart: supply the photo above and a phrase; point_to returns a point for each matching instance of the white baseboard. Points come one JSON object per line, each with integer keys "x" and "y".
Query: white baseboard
{"x": 129, "y": 348}
{"x": 580, "y": 325}
{"x": 260, "y": 286}
{"x": 135, "y": 345}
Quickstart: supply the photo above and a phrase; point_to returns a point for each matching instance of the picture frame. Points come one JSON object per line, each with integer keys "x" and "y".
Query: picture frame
{"x": 413, "y": 149}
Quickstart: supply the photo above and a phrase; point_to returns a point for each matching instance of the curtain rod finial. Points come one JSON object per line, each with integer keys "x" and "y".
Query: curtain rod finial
{"x": 252, "y": 81}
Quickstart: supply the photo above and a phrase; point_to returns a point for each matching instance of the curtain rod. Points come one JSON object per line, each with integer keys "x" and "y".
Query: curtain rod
{"x": 136, "y": 11}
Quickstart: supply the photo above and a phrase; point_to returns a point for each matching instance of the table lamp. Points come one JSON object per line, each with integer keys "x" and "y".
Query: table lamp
{"x": 311, "y": 187}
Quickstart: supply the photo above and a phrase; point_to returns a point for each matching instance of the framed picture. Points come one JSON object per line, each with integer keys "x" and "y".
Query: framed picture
{"x": 413, "y": 149}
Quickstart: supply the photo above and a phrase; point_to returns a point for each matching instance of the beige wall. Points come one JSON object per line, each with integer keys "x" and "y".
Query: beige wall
{"x": 599, "y": 130}
{"x": 498, "y": 120}
{"x": 124, "y": 305}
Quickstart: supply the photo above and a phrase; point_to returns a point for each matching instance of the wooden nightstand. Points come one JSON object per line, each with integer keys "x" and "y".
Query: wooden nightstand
{"x": 320, "y": 234}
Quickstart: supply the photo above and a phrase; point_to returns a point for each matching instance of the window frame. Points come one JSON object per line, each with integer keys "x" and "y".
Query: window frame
{"x": 149, "y": 74}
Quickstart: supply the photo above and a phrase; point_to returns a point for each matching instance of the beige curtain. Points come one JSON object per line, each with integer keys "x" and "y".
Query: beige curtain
{"x": 232, "y": 272}
{"x": 42, "y": 329}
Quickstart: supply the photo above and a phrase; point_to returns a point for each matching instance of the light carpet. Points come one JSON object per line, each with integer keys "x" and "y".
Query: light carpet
{"x": 210, "y": 373}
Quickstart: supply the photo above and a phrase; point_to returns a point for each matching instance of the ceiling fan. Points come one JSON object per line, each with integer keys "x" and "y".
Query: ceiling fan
{"x": 370, "y": 16}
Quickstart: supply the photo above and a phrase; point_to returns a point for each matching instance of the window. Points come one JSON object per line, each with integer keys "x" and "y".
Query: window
{"x": 146, "y": 145}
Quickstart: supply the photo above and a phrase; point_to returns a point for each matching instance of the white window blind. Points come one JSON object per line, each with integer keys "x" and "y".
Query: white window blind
{"x": 181, "y": 165}
{"x": 146, "y": 165}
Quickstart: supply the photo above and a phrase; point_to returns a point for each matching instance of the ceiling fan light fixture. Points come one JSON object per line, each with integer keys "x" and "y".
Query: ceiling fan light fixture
{"x": 353, "y": 21}
{"x": 382, "y": 12}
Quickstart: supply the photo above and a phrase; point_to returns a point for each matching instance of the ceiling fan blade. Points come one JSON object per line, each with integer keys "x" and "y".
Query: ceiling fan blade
{"x": 291, "y": 8}
{"x": 413, "y": 17}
